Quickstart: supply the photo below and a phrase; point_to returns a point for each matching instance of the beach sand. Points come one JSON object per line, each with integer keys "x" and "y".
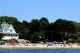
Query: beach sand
{"x": 39, "y": 46}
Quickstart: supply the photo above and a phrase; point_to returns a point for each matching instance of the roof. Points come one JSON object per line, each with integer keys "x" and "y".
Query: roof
{"x": 7, "y": 28}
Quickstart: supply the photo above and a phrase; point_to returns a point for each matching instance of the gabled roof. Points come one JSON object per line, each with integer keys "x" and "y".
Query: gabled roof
{"x": 11, "y": 27}
{"x": 5, "y": 27}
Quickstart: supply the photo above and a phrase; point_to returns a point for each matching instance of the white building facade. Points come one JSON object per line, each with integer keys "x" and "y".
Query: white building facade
{"x": 8, "y": 31}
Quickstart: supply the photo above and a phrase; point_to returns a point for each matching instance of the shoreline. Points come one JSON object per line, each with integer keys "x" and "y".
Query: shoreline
{"x": 40, "y": 46}
{"x": 12, "y": 48}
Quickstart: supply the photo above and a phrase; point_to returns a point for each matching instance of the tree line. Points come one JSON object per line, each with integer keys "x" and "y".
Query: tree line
{"x": 40, "y": 30}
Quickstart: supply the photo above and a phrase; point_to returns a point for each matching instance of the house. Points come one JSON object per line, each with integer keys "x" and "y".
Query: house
{"x": 8, "y": 31}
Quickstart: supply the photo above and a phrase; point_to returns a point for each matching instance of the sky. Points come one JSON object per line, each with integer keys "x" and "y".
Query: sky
{"x": 35, "y": 9}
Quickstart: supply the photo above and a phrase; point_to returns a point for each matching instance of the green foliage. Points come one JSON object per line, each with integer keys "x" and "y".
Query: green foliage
{"x": 40, "y": 30}
{"x": 38, "y": 36}
{"x": 64, "y": 27}
{"x": 44, "y": 23}
{"x": 8, "y": 19}
{"x": 74, "y": 38}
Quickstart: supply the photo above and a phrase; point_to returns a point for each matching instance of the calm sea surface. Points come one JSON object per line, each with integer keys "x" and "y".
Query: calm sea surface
{"x": 40, "y": 51}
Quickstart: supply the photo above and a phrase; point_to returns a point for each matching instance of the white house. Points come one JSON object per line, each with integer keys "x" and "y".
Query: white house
{"x": 8, "y": 31}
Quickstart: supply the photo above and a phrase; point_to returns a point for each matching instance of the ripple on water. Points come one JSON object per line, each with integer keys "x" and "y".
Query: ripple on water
{"x": 41, "y": 51}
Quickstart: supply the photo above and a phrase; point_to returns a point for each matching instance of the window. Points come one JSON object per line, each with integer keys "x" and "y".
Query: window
{"x": 10, "y": 30}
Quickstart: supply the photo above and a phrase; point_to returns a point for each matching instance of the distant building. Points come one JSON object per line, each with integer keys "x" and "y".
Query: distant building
{"x": 8, "y": 31}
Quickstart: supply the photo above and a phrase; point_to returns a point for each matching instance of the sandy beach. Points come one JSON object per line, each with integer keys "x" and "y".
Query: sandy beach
{"x": 39, "y": 46}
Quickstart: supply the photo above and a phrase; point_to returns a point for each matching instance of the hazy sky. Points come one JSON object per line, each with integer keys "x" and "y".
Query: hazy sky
{"x": 35, "y": 9}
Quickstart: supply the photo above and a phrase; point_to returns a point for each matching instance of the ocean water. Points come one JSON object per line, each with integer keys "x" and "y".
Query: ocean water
{"x": 40, "y": 51}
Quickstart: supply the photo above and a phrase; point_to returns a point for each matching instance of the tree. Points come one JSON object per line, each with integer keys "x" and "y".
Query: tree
{"x": 9, "y": 20}
{"x": 49, "y": 31}
{"x": 38, "y": 30}
{"x": 35, "y": 24}
{"x": 25, "y": 23}
{"x": 63, "y": 27}
{"x": 77, "y": 27}
{"x": 38, "y": 36}
{"x": 44, "y": 23}
{"x": 73, "y": 38}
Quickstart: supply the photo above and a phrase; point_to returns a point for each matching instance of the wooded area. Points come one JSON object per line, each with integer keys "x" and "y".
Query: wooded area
{"x": 41, "y": 30}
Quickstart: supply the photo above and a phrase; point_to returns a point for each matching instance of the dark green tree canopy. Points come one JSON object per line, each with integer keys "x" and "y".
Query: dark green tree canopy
{"x": 44, "y": 20}
{"x": 41, "y": 29}
{"x": 8, "y": 19}
{"x": 64, "y": 25}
